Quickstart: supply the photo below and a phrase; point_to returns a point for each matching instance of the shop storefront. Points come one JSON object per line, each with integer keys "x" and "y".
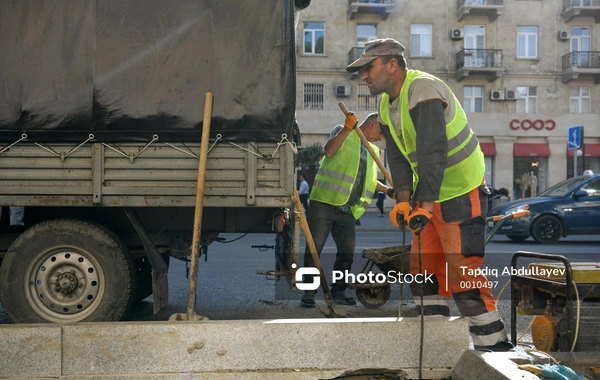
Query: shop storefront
{"x": 530, "y": 165}
{"x": 526, "y": 154}
{"x": 589, "y": 160}
{"x": 489, "y": 152}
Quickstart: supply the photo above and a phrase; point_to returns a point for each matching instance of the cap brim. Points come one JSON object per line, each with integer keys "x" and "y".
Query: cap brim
{"x": 359, "y": 63}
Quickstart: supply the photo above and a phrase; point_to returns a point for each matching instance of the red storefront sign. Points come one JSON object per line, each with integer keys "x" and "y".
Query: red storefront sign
{"x": 527, "y": 124}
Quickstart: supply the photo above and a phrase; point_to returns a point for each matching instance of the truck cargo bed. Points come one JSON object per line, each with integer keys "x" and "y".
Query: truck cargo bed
{"x": 161, "y": 175}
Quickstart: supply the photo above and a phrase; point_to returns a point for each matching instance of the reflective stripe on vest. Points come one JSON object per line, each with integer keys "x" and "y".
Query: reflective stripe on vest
{"x": 465, "y": 165}
{"x": 336, "y": 176}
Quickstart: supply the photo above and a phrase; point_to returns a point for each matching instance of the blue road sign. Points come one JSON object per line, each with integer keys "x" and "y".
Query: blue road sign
{"x": 575, "y": 137}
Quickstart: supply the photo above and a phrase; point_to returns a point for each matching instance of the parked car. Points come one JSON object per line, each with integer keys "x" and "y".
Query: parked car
{"x": 571, "y": 207}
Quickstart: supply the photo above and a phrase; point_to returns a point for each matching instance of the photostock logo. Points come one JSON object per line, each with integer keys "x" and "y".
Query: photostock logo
{"x": 301, "y": 272}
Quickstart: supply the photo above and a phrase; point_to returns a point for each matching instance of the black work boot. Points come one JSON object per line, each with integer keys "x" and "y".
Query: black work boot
{"x": 498, "y": 347}
{"x": 308, "y": 299}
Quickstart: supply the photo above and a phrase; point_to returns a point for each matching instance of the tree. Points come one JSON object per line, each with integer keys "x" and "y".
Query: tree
{"x": 308, "y": 159}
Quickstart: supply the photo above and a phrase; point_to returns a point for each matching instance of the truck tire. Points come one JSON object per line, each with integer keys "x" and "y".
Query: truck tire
{"x": 65, "y": 271}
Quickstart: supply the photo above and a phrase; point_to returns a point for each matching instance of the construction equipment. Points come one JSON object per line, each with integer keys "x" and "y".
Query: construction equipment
{"x": 564, "y": 297}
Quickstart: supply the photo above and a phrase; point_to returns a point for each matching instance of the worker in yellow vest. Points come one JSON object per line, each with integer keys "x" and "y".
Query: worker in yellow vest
{"x": 438, "y": 172}
{"x": 344, "y": 186}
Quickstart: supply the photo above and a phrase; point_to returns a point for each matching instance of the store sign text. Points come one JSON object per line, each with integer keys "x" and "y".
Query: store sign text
{"x": 527, "y": 124}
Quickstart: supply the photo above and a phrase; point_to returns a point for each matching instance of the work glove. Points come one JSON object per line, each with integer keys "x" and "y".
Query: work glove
{"x": 399, "y": 214}
{"x": 390, "y": 193}
{"x": 418, "y": 219}
{"x": 351, "y": 121}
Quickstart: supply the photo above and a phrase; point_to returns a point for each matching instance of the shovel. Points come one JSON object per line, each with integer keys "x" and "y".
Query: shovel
{"x": 330, "y": 311}
{"x": 191, "y": 305}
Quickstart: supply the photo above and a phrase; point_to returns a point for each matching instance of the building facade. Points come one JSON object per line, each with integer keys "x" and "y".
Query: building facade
{"x": 525, "y": 71}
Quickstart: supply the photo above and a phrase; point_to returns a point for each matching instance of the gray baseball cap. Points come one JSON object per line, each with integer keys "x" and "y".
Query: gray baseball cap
{"x": 374, "y": 49}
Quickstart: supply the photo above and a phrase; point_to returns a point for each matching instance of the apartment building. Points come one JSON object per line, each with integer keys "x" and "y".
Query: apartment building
{"x": 525, "y": 71}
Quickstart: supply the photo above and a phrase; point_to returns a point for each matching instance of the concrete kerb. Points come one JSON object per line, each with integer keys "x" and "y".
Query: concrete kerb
{"x": 504, "y": 365}
{"x": 299, "y": 348}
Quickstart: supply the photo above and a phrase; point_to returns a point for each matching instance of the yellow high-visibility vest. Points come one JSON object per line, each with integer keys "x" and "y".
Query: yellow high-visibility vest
{"x": 336, "y": 176}
{"x": 465, "y": 166}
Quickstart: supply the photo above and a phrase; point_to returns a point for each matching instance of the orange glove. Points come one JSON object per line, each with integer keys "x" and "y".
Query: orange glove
{"x": 400, "y": 213}
{"x": 351, "y": 121}
{"x": 418, "y": 219}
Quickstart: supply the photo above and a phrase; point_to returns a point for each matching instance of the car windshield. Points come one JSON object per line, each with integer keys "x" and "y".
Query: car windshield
{"x": 562, "y": 188}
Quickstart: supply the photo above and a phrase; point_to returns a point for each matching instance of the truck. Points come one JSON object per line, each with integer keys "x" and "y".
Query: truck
{"x": 101, "y": 112}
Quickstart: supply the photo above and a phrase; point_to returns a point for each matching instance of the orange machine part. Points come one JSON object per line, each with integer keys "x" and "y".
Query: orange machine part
{"x": 543, "y": 332}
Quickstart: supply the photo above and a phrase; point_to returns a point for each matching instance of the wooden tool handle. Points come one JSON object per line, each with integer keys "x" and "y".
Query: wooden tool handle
{"x": 366, "y": 143}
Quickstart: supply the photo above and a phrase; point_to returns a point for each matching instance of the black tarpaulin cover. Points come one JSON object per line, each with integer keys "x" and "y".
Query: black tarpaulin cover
{"x": 125, "y": 70}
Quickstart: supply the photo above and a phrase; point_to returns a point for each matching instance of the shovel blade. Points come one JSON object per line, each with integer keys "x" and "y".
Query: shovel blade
{"x": 333, "y": 312}
{"x": 185, "y": 317}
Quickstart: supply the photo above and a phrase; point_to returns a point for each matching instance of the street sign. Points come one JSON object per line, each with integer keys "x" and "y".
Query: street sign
{"x": 575, "y": 137}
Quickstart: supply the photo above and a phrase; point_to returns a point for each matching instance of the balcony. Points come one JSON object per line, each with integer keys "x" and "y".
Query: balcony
{"x": 490, "y": 8}
{"x": 354, "y": 54}
{"x": 376, "y": 7}
{"x": 581, "y": 8}
{"x": 486, "y": 62}
{"x": 581, "y": 64}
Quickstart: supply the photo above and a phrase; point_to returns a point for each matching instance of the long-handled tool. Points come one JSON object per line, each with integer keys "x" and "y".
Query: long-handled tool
{"x": 422, "y": 336}
{"x": 191, "y": 305}
{"x": 389, "y": 179}
{"x": 366, "y": 143}
{"x": 330, "y": 312}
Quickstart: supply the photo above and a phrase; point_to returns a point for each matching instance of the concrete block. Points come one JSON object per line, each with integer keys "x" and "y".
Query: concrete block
{"x": 285, "y": 345}
{"x": 295, "y": 375}
{"x": 30, "y": 351}
{"x": 492, "y": 366}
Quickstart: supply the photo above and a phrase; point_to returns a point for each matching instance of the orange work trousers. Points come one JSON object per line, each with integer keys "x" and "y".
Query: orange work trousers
{"x": 452, "y": 249}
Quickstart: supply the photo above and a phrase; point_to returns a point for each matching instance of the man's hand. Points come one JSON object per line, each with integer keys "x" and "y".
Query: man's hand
{"x": 418, "y": 219}
{"x": 390, "y": 193}
{"x": 399, "y": 214}
{"x": 351, "y": 121}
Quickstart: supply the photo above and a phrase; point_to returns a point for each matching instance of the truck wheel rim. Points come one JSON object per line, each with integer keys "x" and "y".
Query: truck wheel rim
{"x": 64, "y": 284}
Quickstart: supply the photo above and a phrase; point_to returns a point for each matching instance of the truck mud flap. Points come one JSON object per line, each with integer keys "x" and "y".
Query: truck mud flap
{"x": 160, "y": 279}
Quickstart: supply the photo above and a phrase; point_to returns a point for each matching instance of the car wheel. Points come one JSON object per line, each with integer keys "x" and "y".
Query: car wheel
{"x": 517, "y": 238}
{"x": 546, "y": 229}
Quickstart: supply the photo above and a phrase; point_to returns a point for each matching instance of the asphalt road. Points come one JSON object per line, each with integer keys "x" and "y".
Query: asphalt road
{"x": 229, "y": 288}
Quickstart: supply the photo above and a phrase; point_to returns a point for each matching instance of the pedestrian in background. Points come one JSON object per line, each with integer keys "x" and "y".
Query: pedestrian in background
{"x": 16, "y": 215}
{"x": 303, "y": 192}
{"x": 437, "y": 165}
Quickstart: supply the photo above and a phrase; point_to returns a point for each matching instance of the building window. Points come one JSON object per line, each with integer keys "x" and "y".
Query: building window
{"x": 580, "y": 100}
{"x": 527, "y": 41}
{"x": 527, "y": 101}
{"x": 313, "y": 96}
{"x": 473, "y": 99}
{"x": 366, "y": 101}
{"x": 365, "y": 33}
{"x": 314, "y": 38}
{"x": 581, "y": 46}
{"x": 420, "y": 40}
